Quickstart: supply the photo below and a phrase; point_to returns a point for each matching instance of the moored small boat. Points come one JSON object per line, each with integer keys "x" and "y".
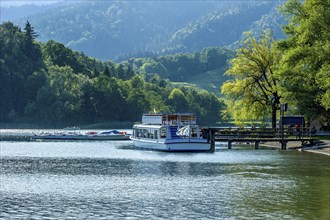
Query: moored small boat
{"x": 74, "y": 135}
{"x": 169, "y": 132}
{"x": 108, "y": 135}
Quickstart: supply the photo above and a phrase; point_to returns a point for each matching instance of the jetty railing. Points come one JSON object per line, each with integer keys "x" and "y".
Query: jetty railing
{"x": 300, "y": 133}
{"x": 257, "y": 135}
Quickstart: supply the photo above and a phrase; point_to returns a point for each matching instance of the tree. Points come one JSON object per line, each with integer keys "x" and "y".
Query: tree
{"x": 107, "y": 72}
{"x": 57, "y": 54}
{"x": 32, "y": 49}
{"x": 20, "y": 58}
{"x": 306, "y": 60}
{"x": 109, "y": 102}
{"x": 60, "y": 99}
{"x": 206, "y": 106}
{"x": 30, "y": 34}
{"x": 137, "y": 102}
{"x": 254, "y": 90}
{"x": 178, "y": 101}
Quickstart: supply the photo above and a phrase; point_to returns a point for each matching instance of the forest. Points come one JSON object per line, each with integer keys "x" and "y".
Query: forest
{"x": 47, "y": 83}
{"x": 51, "y": 85}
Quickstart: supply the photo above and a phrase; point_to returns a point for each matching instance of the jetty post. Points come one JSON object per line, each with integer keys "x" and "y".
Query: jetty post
{"x": 229, "y": 144}
{"x": 283, "y": 144}
{"x": 256, "y": 144}
{"x": 212, "y": 139}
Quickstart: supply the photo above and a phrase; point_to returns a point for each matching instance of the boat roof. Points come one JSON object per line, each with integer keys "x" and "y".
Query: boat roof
{"x": 148, "y": 126}
{"x": 169, "y": 119}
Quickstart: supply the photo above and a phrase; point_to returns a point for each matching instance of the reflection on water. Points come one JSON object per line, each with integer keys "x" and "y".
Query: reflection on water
{"x": 112, "y": 180}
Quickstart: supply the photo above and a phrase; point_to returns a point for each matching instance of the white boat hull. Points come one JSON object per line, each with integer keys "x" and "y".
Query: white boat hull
{"x": 173, "y": 144}
{"x": 108, "y": 137}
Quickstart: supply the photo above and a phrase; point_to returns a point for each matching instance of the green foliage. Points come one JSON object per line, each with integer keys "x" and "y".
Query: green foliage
{"x": 208, "y": 107}
{"x": 57, "y": 54}
{"x": 183, "y": 66}
{"x": 61, "y": 87}
{"x": 295, "y": 70}
{"x": 20, "y": 57}
{"x": 178, "y": 100}
{"x": 224, "y": 27}
{"x": 30, "y": 34}
{"x": 152, "y": 66}
{"x": 305, "y": 65}
{"x": 254, "y": 90}
{"x": 108, "y": 100}
{"x": 60, "y": 98}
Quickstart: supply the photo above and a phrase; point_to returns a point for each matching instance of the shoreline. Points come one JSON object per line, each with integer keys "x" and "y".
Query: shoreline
{"x": 320, "y": 147}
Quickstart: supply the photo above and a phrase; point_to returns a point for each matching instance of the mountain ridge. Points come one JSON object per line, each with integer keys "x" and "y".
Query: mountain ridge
{"x": 110, "y": 30}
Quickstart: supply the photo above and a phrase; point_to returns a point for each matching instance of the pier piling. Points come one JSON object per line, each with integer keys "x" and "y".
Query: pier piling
{"x": 211, "y": 139}
{"x": 256, "y": 144}
{"x": 229, "y": 144}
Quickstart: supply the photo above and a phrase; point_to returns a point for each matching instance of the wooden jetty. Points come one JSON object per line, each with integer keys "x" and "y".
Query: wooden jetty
{"x": 258, "y": 135}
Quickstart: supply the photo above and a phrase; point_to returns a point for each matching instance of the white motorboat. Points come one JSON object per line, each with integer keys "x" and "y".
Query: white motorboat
{"x": 107, "y": 135}
{"x": 169, "y": 132}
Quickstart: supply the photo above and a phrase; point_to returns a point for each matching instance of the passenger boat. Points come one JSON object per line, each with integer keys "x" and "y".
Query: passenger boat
{"x": 74, "y": 135}
{"x": 169, "y": 132}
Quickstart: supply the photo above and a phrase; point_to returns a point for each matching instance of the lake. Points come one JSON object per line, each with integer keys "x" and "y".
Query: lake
{"x": 113, "y": 180}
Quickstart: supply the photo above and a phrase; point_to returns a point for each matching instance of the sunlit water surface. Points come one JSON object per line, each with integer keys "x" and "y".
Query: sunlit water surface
{"x": 112, "y": 180}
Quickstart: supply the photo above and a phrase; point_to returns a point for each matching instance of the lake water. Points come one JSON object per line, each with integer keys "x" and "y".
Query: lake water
{"x": 112, "y": 180}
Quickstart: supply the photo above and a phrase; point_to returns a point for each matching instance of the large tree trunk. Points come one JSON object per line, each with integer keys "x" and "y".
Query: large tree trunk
{"x": 274, "y": 108}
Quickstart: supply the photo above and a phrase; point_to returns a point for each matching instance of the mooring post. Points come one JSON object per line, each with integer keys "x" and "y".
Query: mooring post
{"x": 212, "y": 138}
{"x": 283, "y": 145}
{"x": 229, "y": 144}
{"x": 256, "y": 145}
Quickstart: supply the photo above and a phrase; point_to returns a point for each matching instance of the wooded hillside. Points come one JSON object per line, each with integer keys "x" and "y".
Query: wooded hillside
{"x": 48, "y": 83}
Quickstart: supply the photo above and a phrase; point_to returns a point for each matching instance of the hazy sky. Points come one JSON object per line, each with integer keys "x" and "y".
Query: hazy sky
{"x": 8, "y": 3}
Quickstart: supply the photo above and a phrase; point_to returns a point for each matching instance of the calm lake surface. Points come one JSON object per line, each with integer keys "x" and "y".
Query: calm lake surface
{"x": 112, "y": 180}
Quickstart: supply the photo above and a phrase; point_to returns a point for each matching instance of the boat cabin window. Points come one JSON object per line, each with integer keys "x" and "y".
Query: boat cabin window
{"x": 194, "y": 132}
{"x": 163, "y": 133}
{"x": 151, "y": 133}
{"x": 145, "y": 133}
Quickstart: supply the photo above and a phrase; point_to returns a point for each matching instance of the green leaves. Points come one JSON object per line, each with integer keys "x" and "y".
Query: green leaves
{"x": 305, "y": 64}
{"x": 295, "y": 70}
{"x": 60, "y": 98}
{"x": 56, "y": 86}
{"x": 254, "y": 87}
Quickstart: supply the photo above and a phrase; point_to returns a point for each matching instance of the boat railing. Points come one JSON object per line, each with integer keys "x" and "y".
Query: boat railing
{"x": 178, "y": 123}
